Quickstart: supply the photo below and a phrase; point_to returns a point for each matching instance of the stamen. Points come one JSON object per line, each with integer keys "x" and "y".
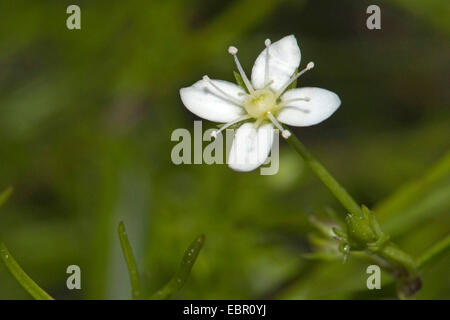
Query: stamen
{"x": 309, "y": 66}
{"x": 233, "y": 51}
{"x": 228, "y": 96}
{"x": 266, "y": 72}
{"x": 216, "y": 132}
{"x": 284, "y": 133}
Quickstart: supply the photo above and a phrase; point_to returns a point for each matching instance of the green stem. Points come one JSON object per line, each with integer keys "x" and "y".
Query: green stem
{"x": 25, "y": 281}
{"x": 130, "y": 261}
{"x": 338, "y": 191}
{"x": 393, "y": 253}
{"x": 435, "y": 252}
{"x": 389, "y": 251}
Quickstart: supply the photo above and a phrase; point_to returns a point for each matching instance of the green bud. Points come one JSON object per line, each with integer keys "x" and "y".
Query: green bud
{"x": 361, "y": 229}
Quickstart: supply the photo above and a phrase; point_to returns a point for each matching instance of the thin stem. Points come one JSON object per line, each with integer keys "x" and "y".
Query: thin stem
{"x": 24, "y": 280}
{"x": 338, "y": 191}
{"x": 130, "y": 261}
{"x": 393, "y": 253}
{"x": 409, "y": 283}
{"x": 183, "y": 272}
{"x": 435, "y": 252}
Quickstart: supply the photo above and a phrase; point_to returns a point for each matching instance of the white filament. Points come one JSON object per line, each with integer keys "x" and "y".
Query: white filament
{"x": 284, "y": 133}
{"x": 233, "y": 51}
{"x": 309, "y": 66}
{"x": 226, "y": 95}
{"x": 216, "y": 132}
{"x": 266, "y": 72}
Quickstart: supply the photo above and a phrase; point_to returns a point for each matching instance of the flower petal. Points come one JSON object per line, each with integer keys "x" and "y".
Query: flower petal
{"x": 284, "y": 59}
{"x": 251, "y": 146}
{"x": 208, "y": 103}
{"x": 321, "y": 105}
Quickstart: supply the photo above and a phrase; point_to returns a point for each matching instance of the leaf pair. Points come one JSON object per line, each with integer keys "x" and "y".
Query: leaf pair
{"x": 178, "y": 280}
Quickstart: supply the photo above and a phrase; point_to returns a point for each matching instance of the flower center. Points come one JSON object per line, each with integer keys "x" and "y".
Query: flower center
{"x": 260, "y": 102}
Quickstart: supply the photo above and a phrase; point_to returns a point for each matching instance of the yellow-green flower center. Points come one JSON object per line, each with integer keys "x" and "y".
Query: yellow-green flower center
{"x": 260, "y": 102}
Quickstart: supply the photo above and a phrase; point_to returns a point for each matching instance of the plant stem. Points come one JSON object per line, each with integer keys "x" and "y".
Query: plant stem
{"x": 390, "y": 252}
{"x": 130, "y": 261}
{"x": 393, "y": 253}
{"x": 435, "y": 252}
{"x": 25, "y": 281}
{"x": 338, "y": 191}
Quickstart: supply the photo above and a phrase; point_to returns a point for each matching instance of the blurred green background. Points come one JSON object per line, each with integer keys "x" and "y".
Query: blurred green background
{"x": 85, "y": 124}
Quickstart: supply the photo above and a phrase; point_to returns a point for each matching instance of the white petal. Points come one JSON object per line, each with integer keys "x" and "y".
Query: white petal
{"x": 251, "y": 146}
{"x": 284, "y": 59}
{"x": 208, "y": 103}
{"x": 321, "y": 105}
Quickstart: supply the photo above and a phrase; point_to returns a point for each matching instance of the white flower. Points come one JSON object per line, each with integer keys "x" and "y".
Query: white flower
{"x": 266, "y": 102}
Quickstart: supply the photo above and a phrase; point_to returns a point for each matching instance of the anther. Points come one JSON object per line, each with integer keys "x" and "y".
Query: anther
{"x": 232, "y": 50}
{"x": 284, "y": 133}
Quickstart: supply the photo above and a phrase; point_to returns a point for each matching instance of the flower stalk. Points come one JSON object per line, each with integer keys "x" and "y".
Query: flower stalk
{"x": 327, "y": 179}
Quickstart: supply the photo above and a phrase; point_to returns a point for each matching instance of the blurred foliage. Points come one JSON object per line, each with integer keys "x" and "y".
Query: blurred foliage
{"x": 85, "y": 124}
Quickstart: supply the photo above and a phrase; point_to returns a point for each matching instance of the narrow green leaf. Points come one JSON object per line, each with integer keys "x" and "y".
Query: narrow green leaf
{"x": 408, "y": 193}
{"x": 24, "y": 280}
{"x": 13, "y": 267}
{"x": 436, "y": 251}
{"x": 130, "y": 261}
{"x": 182, "y": 274}
{"x": 417, "y": 200}
{"x": 5, "y": 195}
